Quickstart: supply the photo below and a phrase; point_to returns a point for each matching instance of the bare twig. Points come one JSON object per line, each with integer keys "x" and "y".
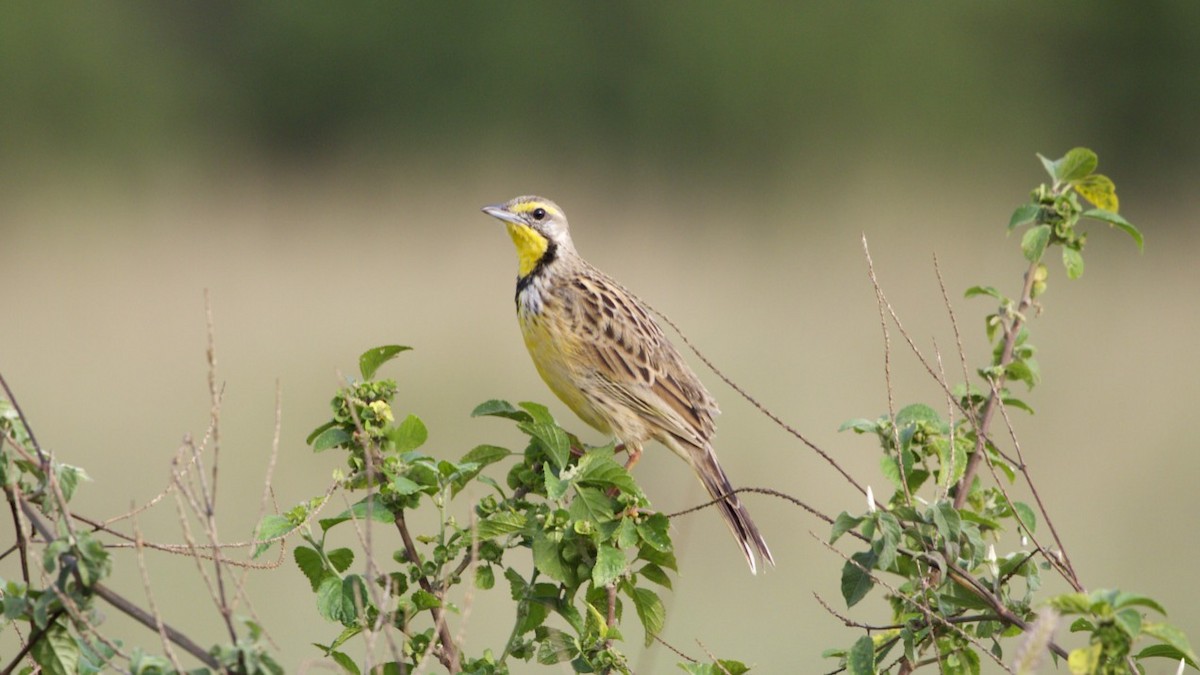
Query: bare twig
{"x": 761, "y": 408}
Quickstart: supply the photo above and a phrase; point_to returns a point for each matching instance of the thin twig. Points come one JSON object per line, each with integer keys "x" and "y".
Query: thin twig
{"x": 754, "y": 402}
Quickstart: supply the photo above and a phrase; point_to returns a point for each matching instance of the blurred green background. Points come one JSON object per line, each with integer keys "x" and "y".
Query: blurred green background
{"x": 319, "y": 168}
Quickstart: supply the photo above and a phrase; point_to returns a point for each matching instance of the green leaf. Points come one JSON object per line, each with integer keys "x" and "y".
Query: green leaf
{"x": 1073, "y": 262}
{"x": 1027, "y": 515}
{"x": 1115, "y": 220}
{"x": 860, "y": 425}
{"x": 331, "y": 604}
{"x": 654, "y": 532}
{"x": 548, "y": 560}
{"x": 379, "y": 513}
{"x": 269, "y": 527}
{"x": 56, "y": 652}
{"x": 1164, "y": 651}
{"x": 484, "y": 455}
{"x": 341, "y": 559}
{"x": 1051, "y": 166}
{"x": 856, "y": 581}
{"x": 1026, "y": 214}
{"x": 501, "y": 523}
{"x": 1172, "y": 636}
{"x": 344, "y": 660}
{"x": 610, "y": 565}
{"x": 843, "y": 524}
{"x": 371, "y": 359}
{"x": 650, "y": 610}
{"x": 410, "y": 435}
{"x": 599, "y": 469}
{"x": 331, "y": 437}
{"x": 498, "y": 408}
{"x": 310, "y": 563}
{"x": 1133, "y": 600}
{"x": 555, "y": 486}
{"x": 721, "y": 667}
{"x": 983, "y": 290}
{"x": 1099, "y": 190}
{"x": 946, "y": 520}
{"x": 860, "y": 660}
{"x": 1130, "y": 621}
{"x": 917, "y": 413}
{"x": 485, "y": 578}
{"x": 405, "y": 487}
{"x": 1075, "y": 165}
{"x": 556, "y": 646}
{"x": 591, "y": 505}
{"x": 1033, "y": 243}
{"x": 656, "y": 574}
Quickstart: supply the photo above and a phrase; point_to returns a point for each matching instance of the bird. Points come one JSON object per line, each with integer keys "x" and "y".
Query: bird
{"x": 599, "y": 349}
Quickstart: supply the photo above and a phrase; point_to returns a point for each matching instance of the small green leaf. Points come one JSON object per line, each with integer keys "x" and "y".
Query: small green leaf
{"x": 650, "y": 610}
{"x": 310, "y": 563}
{"x": 347, "y": 663}
{"x": 1116, "y": 220}
{"x": 843, "y": 524}
{"x": 860, "y": 425}
{"x": 1075, "y": 165}
{"x": 556, "y": 646}
{"x": 484, "y": 455}
{"x": 610, "y": 565}
{"x": 592, "y": 505}
{"x": 1172, "y": 636}
{"x": 1051, "y": 166}
{"x": 599, "y": 469}
{"x": 1166, "y": 652}
{"x": 916, "y": 413}
{"x": 1027, "y": 515}
{"x": 56, "y": 652}
{"x": 270, "y": 527}
{"x": 1130, "y": 621}
{"x": 485, "y": 578}
{"x": 423, "y": 599}
{"x": 331, "y": 437}
{"x": 1133, "y": 600}
{"x": 983, "y": 290}
{"x": 857, "y": 581}
{"x": 860, "y": 660}
{"x": 1026, "y": 214}
{"x": 410, "y": 435}
{"x": 548, "y": 560}
{"x": 341, "y": 559}
{"x": 379, "y": 513}
{"x": 556, "y": 487}
{"x": 946, "y": 520}
{"x": 656, "y": 574}
{"x": 371, "y": 359}
{"x": 1033, "y": 243}
{"x": 1099, "y": 190}
{"x": 1073, "y": 262}
{"x": 405, "y": 487}
{"x": 654, "y": 532}
{"x": 501, "y": 523}
{"x": 498, "y": 408}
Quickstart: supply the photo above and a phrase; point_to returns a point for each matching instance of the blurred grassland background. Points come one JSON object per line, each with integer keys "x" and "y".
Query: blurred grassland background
{"x": 319, "y": 169}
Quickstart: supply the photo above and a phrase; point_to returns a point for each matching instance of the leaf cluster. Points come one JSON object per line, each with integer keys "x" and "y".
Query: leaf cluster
{"x": 568, "y": 529}
{"x": 954, "y": 598}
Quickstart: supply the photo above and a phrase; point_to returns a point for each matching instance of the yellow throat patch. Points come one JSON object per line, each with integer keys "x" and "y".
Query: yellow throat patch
{"x": 531, "y": 246}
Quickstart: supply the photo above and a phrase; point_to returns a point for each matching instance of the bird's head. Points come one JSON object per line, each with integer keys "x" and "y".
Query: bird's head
{"x": 538, "y": 229}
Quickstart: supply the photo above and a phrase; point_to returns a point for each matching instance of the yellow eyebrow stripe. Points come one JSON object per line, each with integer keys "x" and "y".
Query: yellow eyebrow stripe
{"x": 526, "y": 207}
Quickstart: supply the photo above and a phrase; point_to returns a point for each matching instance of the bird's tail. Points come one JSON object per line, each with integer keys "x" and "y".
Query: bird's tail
{"x": 704, "y": 461}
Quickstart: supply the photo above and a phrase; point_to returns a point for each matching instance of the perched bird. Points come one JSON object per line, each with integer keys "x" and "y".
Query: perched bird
{"x": 600, "y": 351}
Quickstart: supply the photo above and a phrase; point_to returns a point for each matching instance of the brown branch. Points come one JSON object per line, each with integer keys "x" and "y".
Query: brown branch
{"x": 989, "y": 406}
{"x": 449, "y": 653}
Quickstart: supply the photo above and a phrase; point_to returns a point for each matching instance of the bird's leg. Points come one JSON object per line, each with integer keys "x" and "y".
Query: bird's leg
{"x": 635, "y": 454}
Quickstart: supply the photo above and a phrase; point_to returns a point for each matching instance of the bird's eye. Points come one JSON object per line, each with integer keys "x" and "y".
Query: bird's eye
{"x": 539, "y": 213}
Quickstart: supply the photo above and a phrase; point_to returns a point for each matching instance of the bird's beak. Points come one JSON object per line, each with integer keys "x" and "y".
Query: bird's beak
{"x": 499, "y": 212}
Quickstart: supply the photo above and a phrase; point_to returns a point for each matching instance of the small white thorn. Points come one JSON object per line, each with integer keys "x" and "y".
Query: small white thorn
{"x": 991, "y": 560}
{"x": 1024, "y": 540}
{"x": 870, "y": 500}
{"x": 1182, "y": 665}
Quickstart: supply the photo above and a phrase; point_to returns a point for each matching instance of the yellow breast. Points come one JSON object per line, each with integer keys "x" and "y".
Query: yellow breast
{"x": 555, "y": 352}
